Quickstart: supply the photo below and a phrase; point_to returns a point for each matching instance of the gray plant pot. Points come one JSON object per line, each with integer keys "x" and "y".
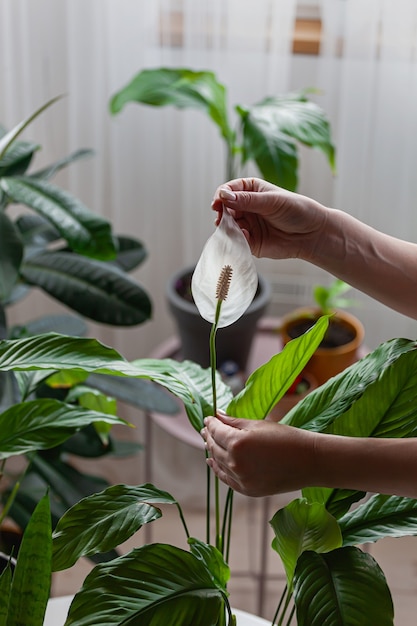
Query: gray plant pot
{"x": 233, "y": 343}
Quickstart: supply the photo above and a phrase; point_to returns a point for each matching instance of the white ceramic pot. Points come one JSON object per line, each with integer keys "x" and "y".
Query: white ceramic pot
{"x": 57, "y": 611}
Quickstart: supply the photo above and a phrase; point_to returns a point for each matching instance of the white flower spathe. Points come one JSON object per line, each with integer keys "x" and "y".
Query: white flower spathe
{"x": 226, "y": 246}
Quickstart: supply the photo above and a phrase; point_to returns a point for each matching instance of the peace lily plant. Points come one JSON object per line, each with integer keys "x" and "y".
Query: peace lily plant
{"x": 329, "y": 579}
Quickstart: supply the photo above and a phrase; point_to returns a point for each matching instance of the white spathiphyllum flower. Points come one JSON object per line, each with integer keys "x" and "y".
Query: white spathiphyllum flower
{"x": 225, "y": 273}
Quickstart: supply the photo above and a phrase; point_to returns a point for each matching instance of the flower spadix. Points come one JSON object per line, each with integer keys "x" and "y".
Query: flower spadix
{"x": 225, "y": 272}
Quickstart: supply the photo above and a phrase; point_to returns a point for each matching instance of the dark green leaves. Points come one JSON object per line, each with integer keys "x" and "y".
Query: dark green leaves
{"x": 341, "y": 588}
{"x": 11, "y": 254}
{"x": 176, "y": 588}
{"x": 104, "y": 520}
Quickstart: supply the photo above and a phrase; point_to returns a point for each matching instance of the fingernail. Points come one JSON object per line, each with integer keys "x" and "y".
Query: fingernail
{"x": 227, "y": 194}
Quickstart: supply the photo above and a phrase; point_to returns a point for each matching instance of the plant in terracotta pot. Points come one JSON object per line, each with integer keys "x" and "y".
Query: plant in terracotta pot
{"x": 344, "y": 338}
{"x": 267, "y": 134}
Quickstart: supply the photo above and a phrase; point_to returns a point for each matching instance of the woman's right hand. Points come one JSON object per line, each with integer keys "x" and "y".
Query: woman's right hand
{"x": 277, "y": 223}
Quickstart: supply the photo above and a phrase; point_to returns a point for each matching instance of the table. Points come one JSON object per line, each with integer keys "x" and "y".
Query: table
{"x": 267, "y": 342}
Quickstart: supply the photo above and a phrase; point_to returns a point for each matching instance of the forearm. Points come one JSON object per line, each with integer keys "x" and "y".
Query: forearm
{"x": 387, "y": 466}
{"x": 381, "y": 266}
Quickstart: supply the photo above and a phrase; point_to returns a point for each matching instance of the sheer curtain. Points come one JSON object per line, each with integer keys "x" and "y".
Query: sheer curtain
{"x": 368, "y": 72}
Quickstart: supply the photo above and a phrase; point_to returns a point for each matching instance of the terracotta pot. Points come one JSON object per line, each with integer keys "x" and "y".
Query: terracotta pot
{"x": 329, "y": 359}
{"x": 233, "y": 343}
{"x": 290, "y": 400}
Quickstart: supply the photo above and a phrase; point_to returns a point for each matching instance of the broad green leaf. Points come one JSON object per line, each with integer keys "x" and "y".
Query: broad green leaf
{"x": 182, "y": 88}
{"x": 175, "y": 588}
{"x": 212, "y": 559}
{"x": 381, "y": 516}
{"x": 104, "y": 520}
{"x": 266, "y": 386}
{"x": 96, "y": 290}
{"x": 17, "y": 158}
{"x": 11, "y": 255}
{"x": 130, "y": 253}
{"x": 271, "y": 129}
{"x": 42, "y": 424}
{"x": 341, "y": 588}
{"x": 85, "y": 232}
{"x": 92, "y": 399}
{"x": 32, "y": 575}
{"x": 302, "y": 526}
{"x": 36, "y": 232}
{"x": 7, "y": 139}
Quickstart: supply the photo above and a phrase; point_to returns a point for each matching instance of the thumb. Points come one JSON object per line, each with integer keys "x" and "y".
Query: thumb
{"x": 248, "y": 201}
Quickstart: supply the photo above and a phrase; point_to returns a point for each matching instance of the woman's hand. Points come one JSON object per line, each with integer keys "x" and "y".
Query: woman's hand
{"x": 277, "y": 223}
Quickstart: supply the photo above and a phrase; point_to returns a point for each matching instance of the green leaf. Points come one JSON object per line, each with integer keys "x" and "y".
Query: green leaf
{"x": 175, "y": 588}
{"x": 96, "y": 290}
{"x": 104, "y": 520}
{"x": 17, "y": 159}
{"x": 42, "y": 424}
{"x": 49, "y": 172}
{"x": 266, "y": 386}
{"x": 5, "y": 586}
{"x": 36, "y": 231}
{"x": 32, "y": 575}
{"x": 130, "y": 253}
{"x": 341, "y": 588}
{"x": 381, "y": 516}
{"x": 270, "y": 129}
{"x": 182, "y": 88}
{"x": 11, "y": 136}
{"x": 302, "y": 526}
{"x": 11, "y": 255}
{"x": 85, "y": 232}
{"x": 212, "y": 559}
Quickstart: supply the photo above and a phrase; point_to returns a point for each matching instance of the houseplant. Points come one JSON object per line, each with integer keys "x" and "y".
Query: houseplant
{"x": 344, "y": 338}
{"x": 266, "y": 134}
{"x": 315, "y": 536}
{"x": 55, "y": 243}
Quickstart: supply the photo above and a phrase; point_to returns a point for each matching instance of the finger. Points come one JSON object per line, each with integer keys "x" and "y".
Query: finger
{"x": 224, "y": 476}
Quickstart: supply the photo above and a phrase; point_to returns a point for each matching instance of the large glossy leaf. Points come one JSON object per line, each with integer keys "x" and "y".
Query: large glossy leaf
{"x": 266, "y": 386}
{"x": 130, "y": 253}
{"x": 36, "y": 231}
{"x": 85, "y": 232}
{"x": 381, "y": 516}
{"x": 341, "y": 588}
{"x": 32, "y": 575}
{"x": 182, "y": 88}
{"x": 41, "y": 424}
{"x": 175, "y": 588}
{"x": 11, "y": 255}
{"x": 96, "y": 290}
{"x": 104, "y": 520}
{"x": 302, "y": 526}
{"x": 271, "y": 129}
{"x": 17, "y": 159}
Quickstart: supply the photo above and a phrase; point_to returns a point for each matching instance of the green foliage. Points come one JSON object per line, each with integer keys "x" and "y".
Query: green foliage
{"x": 267, "y": 133}
{"x": 330, "y": 298}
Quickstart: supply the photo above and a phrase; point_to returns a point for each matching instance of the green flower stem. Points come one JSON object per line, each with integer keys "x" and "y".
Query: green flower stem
{"x": 182, "y": 518}
{"x": 213, "y": 366}
{"x": 227, "y": 522}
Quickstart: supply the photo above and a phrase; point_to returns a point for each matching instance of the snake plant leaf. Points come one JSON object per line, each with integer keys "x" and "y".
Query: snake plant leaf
{"x": 176, "y": 588}
{"x": 11, "y": 255}
{"x": 342, "y": 587}
{"x": 182, "y": 88}
{"x": 42, "y": 424}
{"x": 104, "y": 520}
{"x": 269, "y": 382}
{"x": 226, "y": 248}
{"x": 17, "y": 158}
{"x": 271, "y": 129}
{"x": 85, "y": 232}
{"x": 98, "y": 291}
{"x": 32, "y": 576}
{"x": 302, "y": 526}
{"x": 381, "y": 516}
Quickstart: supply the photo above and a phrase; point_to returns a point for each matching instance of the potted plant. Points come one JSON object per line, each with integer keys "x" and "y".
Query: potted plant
{"x": 55, "y": 243}
{"x": 266, "y": 134}
{"x": 344, "y": 338}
